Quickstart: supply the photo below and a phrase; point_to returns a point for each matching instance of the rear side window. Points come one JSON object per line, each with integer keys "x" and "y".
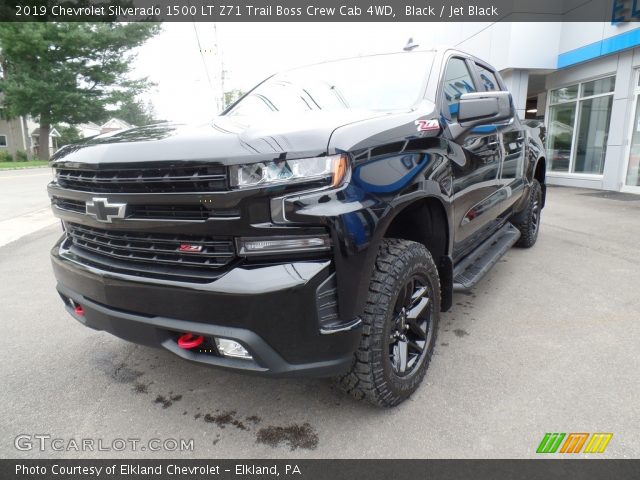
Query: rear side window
{"x": 457, "y": 81}
{"x": 488, "y": 79}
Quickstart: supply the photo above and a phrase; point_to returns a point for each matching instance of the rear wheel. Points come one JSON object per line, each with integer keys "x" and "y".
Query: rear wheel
{"x": 400, "y": 325}
{"x": 528, "y": 221}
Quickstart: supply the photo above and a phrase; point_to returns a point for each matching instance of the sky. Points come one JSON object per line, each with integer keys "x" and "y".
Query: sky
{"x": 188, "y": 82}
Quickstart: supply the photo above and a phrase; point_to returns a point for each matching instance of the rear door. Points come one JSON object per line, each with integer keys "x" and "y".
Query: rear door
{"x": 512, "y": 138}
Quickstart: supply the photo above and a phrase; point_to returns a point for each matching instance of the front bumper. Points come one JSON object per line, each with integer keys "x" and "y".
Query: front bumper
{"x": 270, "y": 310}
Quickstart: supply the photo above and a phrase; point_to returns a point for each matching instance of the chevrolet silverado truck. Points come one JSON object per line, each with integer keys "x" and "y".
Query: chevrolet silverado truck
{"x": 318, "y": 226}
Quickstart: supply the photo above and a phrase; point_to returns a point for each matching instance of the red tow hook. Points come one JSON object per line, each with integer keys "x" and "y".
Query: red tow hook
{"x": 188, "y": 341}
{"x": 78, "y": 310}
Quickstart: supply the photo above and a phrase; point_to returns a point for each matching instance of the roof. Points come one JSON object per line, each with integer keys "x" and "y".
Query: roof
{"x": 116, "y": 123}
{"x": 52, "y": 133}
{"x": 91, "y": 125}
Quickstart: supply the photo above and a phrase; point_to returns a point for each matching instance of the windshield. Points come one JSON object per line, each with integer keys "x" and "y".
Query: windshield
{"x": 380, "y": 82}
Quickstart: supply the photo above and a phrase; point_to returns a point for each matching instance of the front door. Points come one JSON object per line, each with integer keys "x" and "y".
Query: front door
{"x": 475, "y": 163}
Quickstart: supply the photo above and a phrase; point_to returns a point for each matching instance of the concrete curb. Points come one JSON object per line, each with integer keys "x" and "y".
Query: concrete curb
{"x": 28, "y": 167}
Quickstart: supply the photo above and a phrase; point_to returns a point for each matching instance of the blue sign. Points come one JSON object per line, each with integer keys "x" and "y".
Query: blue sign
{"x": 624, "y": 11}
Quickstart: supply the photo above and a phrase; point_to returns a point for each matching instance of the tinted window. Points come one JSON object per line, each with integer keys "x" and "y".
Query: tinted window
{"x": 513, "y": 143}
{"x": 457, "y": 81}
{"x": 488, "y": 79}
{"x": 379, "y": 82}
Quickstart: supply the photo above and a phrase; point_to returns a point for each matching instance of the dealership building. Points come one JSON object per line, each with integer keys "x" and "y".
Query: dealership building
{"x": 583, "y": 81}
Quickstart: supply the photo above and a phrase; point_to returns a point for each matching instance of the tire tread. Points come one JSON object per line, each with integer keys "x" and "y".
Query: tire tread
{"x": 523, "y": 221}
{"x": 366, "y": 380}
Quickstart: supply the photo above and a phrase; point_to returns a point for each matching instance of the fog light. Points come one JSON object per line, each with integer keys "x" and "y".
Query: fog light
{"x": 230, "y": 348}
{"x": 248, "y": 246}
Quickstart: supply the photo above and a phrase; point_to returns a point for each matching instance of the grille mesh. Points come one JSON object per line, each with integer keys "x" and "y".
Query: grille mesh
{"x": 151, "y": 254}
{"x": 184, "y": 179}
{"x": 158, "y": 212}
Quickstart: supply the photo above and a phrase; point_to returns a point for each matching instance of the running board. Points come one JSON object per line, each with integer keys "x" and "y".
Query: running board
{"x": 474, "y": 266}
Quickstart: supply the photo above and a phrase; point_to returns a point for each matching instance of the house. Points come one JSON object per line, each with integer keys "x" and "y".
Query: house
{"x": 22, "y": 134}
{"x": 14, "y": 135}
{"x": 35, "y": 141}
{"x": 115, "y": 125}
{"x": 89, "y": 129}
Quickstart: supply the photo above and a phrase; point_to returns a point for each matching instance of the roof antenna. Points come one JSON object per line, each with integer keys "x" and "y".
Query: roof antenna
{"x": 410, "y": 45}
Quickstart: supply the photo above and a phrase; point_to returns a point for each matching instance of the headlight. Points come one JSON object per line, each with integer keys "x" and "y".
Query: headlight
{"x": 332, "y": 168}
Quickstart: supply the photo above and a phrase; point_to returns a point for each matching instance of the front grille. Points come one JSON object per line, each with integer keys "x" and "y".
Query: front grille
{"x": 151, "y": 254}
{"x": 76, "y": 206}
{"x": 157, "y": 212}
{"x": 178, "y": 212}
{"x": 183, "y": 179}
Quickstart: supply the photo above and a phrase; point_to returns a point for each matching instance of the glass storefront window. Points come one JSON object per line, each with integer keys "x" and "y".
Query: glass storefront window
{"x": 633, "y": 170}
{"x": 598, "y": 87}
{"x": 565, "y": 94}
{"x": 593, "y": 130}
{"x": 578, "y": 122}
{"x": 561, "y": 121}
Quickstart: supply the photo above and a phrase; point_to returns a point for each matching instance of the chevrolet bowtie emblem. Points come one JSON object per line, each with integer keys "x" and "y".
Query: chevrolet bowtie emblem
{"x": 103, "y": 211}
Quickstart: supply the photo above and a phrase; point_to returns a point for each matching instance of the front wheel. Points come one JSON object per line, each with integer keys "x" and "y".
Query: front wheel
{"x": 400, "y": 325}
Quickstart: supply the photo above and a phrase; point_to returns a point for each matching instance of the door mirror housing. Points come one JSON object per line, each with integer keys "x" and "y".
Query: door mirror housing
{"x": 481, "y": 108}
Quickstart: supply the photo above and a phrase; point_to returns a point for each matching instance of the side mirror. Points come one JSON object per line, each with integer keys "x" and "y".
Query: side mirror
{"x": 482, "y": 108}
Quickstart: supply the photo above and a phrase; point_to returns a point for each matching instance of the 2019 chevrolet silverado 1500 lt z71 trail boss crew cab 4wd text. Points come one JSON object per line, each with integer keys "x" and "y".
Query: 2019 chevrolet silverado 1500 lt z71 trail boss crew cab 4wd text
{"x": 318, "y": 226}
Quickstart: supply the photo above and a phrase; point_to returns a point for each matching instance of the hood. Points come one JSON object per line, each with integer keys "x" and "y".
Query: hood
{"x": 227, "y": 140}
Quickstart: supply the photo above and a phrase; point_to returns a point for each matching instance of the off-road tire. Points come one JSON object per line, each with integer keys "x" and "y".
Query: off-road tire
{"x": 372, "y": 375}
{"x": 528, "y": 221}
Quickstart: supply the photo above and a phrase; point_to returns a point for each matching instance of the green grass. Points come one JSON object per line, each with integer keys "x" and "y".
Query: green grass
{"x": 30, "y": 163}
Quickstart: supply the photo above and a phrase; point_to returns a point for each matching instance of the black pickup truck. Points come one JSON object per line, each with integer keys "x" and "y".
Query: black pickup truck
{"x": 317, "y": 227}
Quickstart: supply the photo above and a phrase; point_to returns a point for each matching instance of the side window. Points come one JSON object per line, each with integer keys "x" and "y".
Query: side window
{"x": 457, "y": 81}
{"x": 513, "y": 143}
{"x": 488, "y": 79}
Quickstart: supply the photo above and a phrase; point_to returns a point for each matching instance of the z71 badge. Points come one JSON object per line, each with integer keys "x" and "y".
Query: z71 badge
{"x": 427, "y": 125}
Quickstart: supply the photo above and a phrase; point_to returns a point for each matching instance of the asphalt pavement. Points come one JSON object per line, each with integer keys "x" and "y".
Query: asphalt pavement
{"x": 549, "y": 341}
{"x": 24, "y": 205}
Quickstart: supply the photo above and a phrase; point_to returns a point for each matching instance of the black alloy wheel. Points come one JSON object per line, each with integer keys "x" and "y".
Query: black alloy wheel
{"x": 410, "y": 329}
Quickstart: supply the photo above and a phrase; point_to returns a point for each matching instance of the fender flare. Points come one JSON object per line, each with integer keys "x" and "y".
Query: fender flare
{"x": 367, "y": 263}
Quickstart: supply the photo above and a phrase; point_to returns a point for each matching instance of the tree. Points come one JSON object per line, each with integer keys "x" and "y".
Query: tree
{"x": 68, "y": 72}
{"x": 231, "y": 96}
{"x": 68, "y": 134}
{"x": 135, "y": 112}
